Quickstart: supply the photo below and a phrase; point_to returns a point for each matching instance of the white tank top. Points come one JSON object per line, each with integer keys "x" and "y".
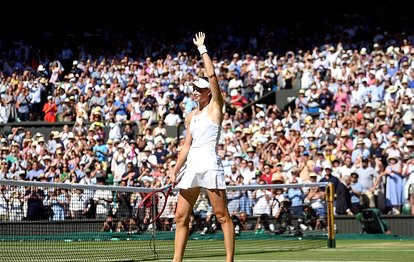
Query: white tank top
{"x": 203, "y": 150}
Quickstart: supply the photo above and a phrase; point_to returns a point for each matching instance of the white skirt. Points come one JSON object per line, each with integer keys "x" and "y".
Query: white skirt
{"x": 203, "y": 168}
{"x": 210, "y": 179}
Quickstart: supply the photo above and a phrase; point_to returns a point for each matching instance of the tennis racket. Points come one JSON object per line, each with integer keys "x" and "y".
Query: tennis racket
{"x": 153, "y": 204}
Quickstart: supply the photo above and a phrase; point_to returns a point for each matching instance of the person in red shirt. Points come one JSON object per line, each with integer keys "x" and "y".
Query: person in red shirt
{"x": 266, "y": 174}
{"x": 50, "y": 110}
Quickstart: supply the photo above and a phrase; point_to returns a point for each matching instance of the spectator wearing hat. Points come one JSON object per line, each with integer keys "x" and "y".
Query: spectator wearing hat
{"x": 149, "y": 104}
{"x": 50, "y": 109}
{"x": 329, "y": 154}
{"x": 149, "y": 158}
{"x": 251, "y": 156}
{"x": 328, "y": 177}
{"x": 302, "y": 101}
{"x": 393, "y": 149}
{"x": 143, "y": 124}
{"x": 69, "y": 141}
{"x": 134, "y": 108}
{"x": 362, "y": 134}
{"x": 67, "y": 112}
{"x": 100, "y": 149}
{"x": 391, "y": 94}
{"x": 96, "y": 115}
{"x": 344, "y": 142}
{"x": 394, "y": 184}
{"x": 108, "y": 110}
{"x": 313, "y": 95}
{"x": 360, "y": 151}
{"x": 14, "y": 155}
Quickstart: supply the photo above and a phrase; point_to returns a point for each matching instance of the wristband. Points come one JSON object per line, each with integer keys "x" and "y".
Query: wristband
{"x": 202, "y": 49}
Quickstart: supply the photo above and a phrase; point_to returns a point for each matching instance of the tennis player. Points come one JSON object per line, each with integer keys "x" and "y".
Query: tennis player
{"x": 199, "y": 153}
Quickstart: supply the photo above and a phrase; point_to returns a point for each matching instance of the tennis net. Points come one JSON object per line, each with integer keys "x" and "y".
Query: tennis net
{"x": 72, "y": 222}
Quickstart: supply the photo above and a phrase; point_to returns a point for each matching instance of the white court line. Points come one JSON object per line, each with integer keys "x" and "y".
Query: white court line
{"x": 267, "y": 260}
{"x": 358, "y": 249}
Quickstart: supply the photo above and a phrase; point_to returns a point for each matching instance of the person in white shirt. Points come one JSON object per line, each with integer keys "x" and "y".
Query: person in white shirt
{"x": 102, "y": 199}
{"x": 172, "y": 119}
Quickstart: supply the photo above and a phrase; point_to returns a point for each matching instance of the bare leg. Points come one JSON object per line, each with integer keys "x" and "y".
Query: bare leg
{"x": 218, "y": 200}
{"x": 412, "y": 203}
{"x": 186, "y": 201}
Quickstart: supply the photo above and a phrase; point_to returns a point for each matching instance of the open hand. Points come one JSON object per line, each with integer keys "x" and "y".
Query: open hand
{"x": 199, "y": 39}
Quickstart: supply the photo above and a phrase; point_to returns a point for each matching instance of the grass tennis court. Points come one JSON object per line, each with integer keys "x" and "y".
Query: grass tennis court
{"x": 346, "y": 250}
{"x": 121, "y": 247}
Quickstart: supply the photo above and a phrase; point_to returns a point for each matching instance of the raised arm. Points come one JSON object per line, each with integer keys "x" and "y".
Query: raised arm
{"x": 212, "y": 78}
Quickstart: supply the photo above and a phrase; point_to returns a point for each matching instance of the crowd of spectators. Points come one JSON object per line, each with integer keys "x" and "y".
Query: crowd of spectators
{"x": 351, "y": 124}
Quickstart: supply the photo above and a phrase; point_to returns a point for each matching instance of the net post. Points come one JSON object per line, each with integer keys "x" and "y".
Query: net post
{"x": 330, "y": 215}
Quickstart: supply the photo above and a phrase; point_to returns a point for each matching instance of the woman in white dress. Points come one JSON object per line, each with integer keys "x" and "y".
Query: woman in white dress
{"x": 199, "y": 153}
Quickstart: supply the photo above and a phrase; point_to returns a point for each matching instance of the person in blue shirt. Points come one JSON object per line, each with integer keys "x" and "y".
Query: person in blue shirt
{"x": 101, "y": 150}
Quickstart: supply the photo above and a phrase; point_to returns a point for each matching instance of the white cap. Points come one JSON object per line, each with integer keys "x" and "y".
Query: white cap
{"x": 326, "y": 165}
{"x": 200, "y": 83}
